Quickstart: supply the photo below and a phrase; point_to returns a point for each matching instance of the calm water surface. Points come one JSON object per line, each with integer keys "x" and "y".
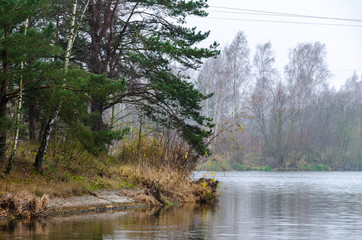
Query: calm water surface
{"x": 253, "y": 205}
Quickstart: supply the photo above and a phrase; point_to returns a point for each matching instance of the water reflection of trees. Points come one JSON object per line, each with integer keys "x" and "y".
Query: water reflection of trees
{"x": 25, "y": 227}
{"x": 180, "y": 221}
{"x": 186, "y": 222}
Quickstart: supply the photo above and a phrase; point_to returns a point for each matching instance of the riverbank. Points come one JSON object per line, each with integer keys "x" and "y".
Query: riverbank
{"x": 25, "y": 204}
{"x": 76, "y": 181}
{"x": 256, "y": 163}
{"x": 117, "y": 224}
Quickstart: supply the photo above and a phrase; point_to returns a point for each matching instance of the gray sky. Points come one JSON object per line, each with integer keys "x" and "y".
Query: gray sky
{"x": 343, "y": 43}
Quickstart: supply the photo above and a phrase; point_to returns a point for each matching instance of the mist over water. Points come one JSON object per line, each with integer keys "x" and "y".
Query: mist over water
{"x": 253, "y": 205}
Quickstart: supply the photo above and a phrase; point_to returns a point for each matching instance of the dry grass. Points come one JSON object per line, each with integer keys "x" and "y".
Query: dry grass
{"x": 70, "y": 170}
{"x": 140, "y": 196}
{"x": 67, "y": 171}
{"x": 23, "y": 177}
{"x": 158, "y": 150}
{"x": 163, "y": 162}
{"x": 24, "y": 203}
{"x": 174, "y": 186}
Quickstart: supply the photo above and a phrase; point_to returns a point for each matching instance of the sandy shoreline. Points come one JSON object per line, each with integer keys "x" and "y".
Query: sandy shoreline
{"x": 25, "y": 204}
{"x": 97, "y": 201}
{"x": 101, "y": 200}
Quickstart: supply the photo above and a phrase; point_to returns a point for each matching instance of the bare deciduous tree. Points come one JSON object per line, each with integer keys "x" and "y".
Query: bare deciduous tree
{"x": 306, "y": 75}
{"x": 261, "y": 96}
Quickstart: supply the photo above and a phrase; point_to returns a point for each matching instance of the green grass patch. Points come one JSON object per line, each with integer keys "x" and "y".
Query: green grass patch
{"x": 124, "y": 184}
{"x": 264, "y": 168}
{"x": 314, "y": 167}
{"x": 238, "y": 166}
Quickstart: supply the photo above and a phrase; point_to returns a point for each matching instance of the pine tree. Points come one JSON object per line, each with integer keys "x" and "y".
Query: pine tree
{"x": 50, "y": 121}
{"x": 26, "y": 59}
{"x": 120, "y": 46}
{"x": 12, "y": 14}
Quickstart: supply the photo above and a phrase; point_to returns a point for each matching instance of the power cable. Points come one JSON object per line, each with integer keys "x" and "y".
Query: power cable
{"x": 345, "y": 70}
{"x": 289, "y": 22}
{"x": 283, "y": 14}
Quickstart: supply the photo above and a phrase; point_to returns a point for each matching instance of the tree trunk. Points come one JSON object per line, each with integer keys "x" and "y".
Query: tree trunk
{"x": 39, "y": 160}
{"x": 43, "y": 123}
{"x": 100, "y": 20}
{"x": 10, "y": 166}
{"x": 217, "y": 112}
{"x": 2, "y": 130}
{"x": 50, "y": 122}
{"x": 97, "y": 107}
{"x": 3, "y": 103}
{"x": 11, "y": 163}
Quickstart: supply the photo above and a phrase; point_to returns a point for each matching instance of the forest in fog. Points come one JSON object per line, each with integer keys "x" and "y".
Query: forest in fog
{"x": 285, "y": 120}
{"x": 114, "y": 78}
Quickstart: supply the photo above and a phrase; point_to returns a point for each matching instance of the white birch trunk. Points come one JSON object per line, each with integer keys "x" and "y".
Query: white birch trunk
{"x": 50, "y": 122}
{"x": 71, "y": 37}
{"x": 10, "y": 166}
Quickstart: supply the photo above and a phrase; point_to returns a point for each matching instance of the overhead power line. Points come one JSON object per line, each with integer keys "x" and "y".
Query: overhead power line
{"x": 283, "y": 14}
{"x": 357, "y": 70}
{"x": 291, "y": 22}
{"x": 332, "y": 70}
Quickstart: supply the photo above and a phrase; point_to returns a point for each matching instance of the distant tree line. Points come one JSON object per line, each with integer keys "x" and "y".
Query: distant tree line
{"x": 288, "y": 120}
{"x": 71, "y": 69}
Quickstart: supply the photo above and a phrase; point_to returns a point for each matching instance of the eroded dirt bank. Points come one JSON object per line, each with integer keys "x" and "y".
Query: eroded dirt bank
{"x": 26, "y": 204}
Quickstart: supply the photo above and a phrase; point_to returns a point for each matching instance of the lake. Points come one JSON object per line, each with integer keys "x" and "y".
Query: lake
{"x": 253, "y": 205}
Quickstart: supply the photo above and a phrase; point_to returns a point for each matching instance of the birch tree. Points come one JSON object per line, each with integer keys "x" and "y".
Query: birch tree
{"x": 306, "y": 75}
{"x": 14, "y": 47}
{"x": 10, "y": 166}
{"x": 265, "y": 75}
{"x": 237, "y": 70}
{"x": 39, "y": 160}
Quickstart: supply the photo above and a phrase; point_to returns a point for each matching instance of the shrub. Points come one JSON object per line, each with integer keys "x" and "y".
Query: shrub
{"x": 238, "y": 166}
{"x": 24, "y": 203}
{"x": 265, "y": 168}
{"x": 158, "y": 150}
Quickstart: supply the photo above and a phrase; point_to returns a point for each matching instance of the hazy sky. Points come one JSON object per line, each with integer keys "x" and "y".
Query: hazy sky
{"x": 343, "y": 43}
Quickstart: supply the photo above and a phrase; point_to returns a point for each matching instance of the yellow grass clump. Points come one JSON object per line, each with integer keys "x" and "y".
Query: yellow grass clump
{"x": 173, "y": 186}
{"x": 24, "y": 203}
